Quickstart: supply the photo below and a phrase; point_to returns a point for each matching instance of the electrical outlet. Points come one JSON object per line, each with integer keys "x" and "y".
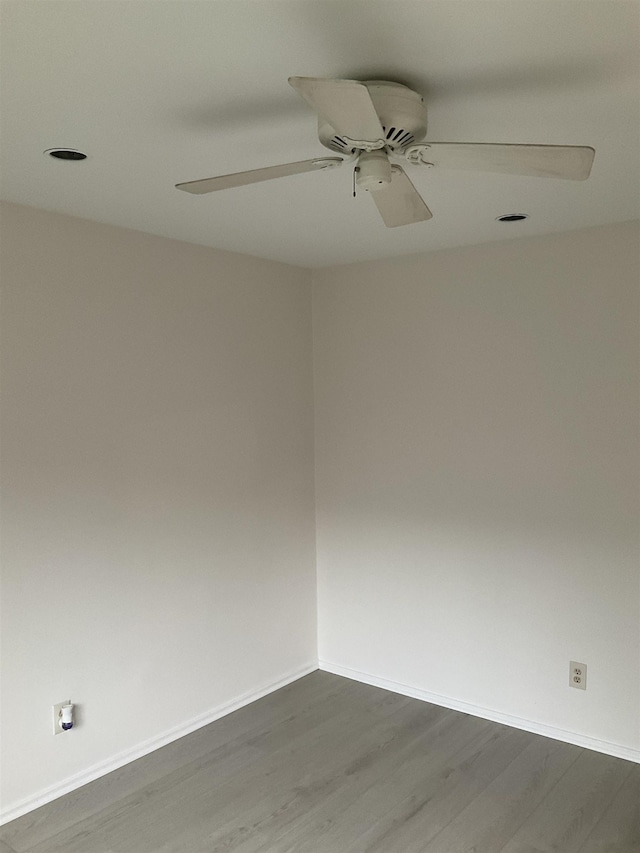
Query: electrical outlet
{"x": 57, "y": 712}
{"x": 578, "y": 675}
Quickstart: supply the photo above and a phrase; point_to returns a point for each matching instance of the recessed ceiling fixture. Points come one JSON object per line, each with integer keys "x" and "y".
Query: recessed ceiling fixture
{"x": 512, "y": 217}
{"x": 65, "y": 154}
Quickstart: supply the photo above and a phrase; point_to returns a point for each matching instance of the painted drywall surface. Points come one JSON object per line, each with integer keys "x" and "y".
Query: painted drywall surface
{"x": 477, "y": 475}
{"x": 158, "y": 508}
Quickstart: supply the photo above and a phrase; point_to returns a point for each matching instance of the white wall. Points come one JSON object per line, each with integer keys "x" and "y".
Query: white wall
{"x": 476, "y": 468}
{"x": 158, "y": 509}
{"x": 477, "y": 477}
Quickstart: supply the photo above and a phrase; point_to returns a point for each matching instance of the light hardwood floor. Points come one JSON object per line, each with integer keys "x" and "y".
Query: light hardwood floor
{"x": 328, "y": 765}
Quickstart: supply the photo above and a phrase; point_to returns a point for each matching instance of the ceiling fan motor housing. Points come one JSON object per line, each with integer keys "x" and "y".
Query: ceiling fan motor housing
{"x": 401, "y": 111}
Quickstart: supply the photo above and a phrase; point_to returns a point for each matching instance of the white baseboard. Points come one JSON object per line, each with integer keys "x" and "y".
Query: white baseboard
{"x": 614, "y": 749}
{"x": 102, "y": 768}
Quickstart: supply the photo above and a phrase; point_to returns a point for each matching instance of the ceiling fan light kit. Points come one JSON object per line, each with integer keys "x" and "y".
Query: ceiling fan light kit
{"x": 374, "y": 170}
{"x": 374, "y": 124}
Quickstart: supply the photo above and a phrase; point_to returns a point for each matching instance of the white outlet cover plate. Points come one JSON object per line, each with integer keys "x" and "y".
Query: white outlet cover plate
{"x": 57, "y": 709}
{"x": 578, "y": 675}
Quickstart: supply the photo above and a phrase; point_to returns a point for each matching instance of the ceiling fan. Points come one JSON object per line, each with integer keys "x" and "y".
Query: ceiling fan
{"x": 376, "y": 123}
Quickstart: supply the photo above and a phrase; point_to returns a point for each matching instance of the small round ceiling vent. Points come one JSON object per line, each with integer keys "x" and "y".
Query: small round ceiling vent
{"x": 512, "y": 217}
{"x": 65, "y": 154}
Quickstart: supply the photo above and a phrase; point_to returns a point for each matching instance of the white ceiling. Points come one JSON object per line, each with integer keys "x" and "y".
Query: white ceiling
{"x": 157, "y": 92}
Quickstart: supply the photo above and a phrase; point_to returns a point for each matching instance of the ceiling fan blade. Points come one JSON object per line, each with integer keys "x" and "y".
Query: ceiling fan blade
{"x": 240, "y": 179}
{"x": 345, "y": 104}
{"x": 572, "y": 162}
{"x": 400, "y": 203}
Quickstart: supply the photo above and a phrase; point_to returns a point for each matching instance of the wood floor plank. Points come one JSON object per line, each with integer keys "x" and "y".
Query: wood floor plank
{"x": 618, "y": 830}
{"x": 435, "y": 801}
{"x": 328, "y": 765}
{"x": 573, "y": 807}
{"x": 377, "y": 820}
{"x": 203, "y": 797}
{"x": 491, "y": 819}
{"x": 270, "y": 711}
{"x": 214, "y": 742}
{"x": 362, "y": 788}
{"x": 308, "y": 773}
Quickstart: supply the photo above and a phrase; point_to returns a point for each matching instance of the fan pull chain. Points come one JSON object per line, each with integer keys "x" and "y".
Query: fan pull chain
{"x": 355, "y": 169}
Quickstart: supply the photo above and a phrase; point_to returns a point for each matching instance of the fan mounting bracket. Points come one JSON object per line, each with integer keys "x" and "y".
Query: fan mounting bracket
{"x": 327, "y": 162}
{"x": 419, "y": 154}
